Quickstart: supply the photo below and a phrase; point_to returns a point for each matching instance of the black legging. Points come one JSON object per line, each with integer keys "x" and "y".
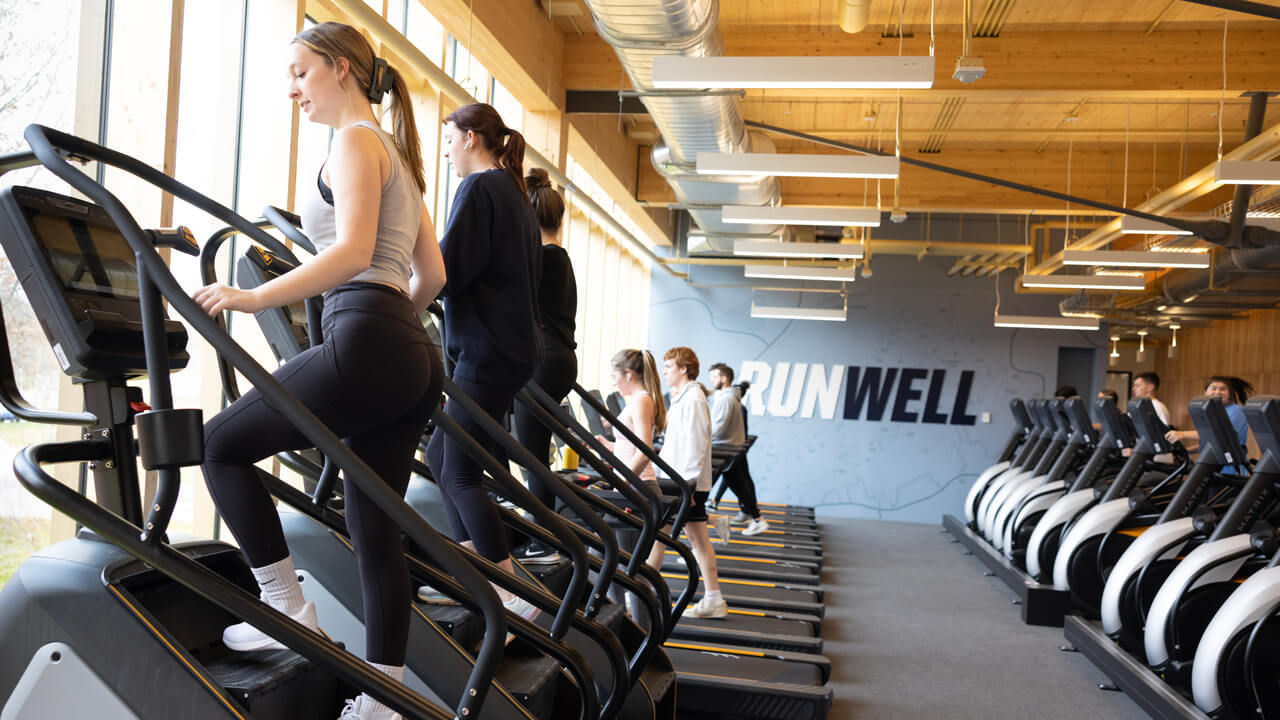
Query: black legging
{"x": 555, "y": 374}
{"x": 737, "y": 477}
{"x": 472, "y": 513}
{"x": 374, "y": 382}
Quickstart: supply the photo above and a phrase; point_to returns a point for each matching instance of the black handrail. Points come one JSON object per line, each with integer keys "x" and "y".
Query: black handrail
{"x": 191, "y": 574}
{"x": 515, "y": 490}
{"x": 553, "y": 416}
{"x": 42, "y": 141}
{"x": 12, "y": 399}
{"x": 509, "y": 487}
{"x": 682, "y": 486}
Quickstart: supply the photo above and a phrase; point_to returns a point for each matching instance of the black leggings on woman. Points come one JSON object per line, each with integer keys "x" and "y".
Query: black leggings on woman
{"x": 555, "y": 374}
{"x": 374, "y": 382}
{"x": 472, "y": 513}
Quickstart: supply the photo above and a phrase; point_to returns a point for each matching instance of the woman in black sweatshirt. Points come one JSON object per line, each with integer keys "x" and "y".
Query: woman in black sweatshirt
{"x": 491, "y": 250}
{"x": 557, "y": 306}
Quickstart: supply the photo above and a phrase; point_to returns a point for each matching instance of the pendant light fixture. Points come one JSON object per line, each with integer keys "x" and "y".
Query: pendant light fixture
{"x": 1173, "y": 344}
{"x": 1114, "y": 359}
{"x": 1142, "y": 346}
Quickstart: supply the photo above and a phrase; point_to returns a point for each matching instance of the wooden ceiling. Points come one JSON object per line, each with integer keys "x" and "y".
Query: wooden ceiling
{"x": 1069, "y": 83}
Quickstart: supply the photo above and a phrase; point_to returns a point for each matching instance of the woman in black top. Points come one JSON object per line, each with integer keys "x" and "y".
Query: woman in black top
{"x": 558, "y": 306}
{"x": 491, "y": 253}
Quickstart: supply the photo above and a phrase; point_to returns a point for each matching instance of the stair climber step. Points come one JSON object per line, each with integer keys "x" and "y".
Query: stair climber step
{"x": 278, "y": 684}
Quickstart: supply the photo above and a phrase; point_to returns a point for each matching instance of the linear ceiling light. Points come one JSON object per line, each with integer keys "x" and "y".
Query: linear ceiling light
{"x": 775, "y": 248}
{"x": 1045, "y": 322}
{"x": 777, "y": 312}
{"x": 799, "y": 165}
{"x": 1236, "y": 172}
{"x": 882, "y": 71}
{"x": 1129, "y": 258}
{"x": 1130, "y": 225}
{"x": 778, "y": 272}
{"x": 1082, "y": 282}
{"x": 833, "y": 216}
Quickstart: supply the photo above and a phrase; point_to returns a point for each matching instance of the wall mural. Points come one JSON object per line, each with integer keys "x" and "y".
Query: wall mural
{"x": 891, "y": 414}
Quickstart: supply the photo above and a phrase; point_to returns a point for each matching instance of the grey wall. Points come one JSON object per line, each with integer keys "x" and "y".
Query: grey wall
{"x": 909, "y": 315}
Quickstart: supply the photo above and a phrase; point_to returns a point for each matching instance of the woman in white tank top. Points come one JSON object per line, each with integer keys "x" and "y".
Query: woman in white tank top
{"x": 635, "y": 375}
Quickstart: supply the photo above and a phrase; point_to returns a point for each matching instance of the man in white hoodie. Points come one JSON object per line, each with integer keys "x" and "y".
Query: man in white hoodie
{"x": 686, "y": 448}
{"x": 728, "y": 427}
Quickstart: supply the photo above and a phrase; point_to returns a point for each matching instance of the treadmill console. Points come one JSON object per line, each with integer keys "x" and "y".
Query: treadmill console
{"x": 82, "y": 280}
{"x": 1020, "y": 416}
{"x": 1263, "y": 412}
{"x": 1057, "y": 415}
{"x": 1218, "y": 442}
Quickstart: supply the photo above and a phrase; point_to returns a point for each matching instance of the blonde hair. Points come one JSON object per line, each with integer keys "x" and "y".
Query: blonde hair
{"x": 331, "y": 41}
{"x": 641, "y": 363}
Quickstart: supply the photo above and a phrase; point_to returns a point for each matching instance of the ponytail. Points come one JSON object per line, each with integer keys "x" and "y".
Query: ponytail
{"x": 654, "y": 387}
{"x": 406, "y": 129}
{"x": 641, "y": 364}
{"x": 333, "y": 40}
{"x": 511, "y": 159}
{"x": 506, "y": 145}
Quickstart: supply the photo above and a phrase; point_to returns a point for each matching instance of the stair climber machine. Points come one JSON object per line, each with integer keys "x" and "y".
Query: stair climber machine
{"x": 1082, "y": 443}
{"x": 1018, "y": 437}
{"x": 1093, "y": 543}
{"x": 123, "y": 621}
{"x": 1191, "y": 571}
{"x": 764, "y": 677}
{"x": 781, "y": 595}
{"x": 754, "y": 663}
{"x": 1118, "y": 435}
{"x": 639, "y": 682}
{"x": 1022, "y": 467}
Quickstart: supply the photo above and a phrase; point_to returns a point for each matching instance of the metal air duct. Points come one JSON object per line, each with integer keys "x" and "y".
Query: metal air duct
{"x": 690, "y": 122}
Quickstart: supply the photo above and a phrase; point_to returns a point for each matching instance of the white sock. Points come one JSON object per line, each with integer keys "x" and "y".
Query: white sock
{"x": 369, "y": 705}
{"x": 279, "y": 585}
{"x": 713, "y": 596}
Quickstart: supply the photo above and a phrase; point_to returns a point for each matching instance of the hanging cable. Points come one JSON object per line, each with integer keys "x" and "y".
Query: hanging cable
{"x": 1066, "y": 240}
{"x": 1222, "y": 96}
{"x": 1124, "y": 200}
{"x": 931, "y": 9}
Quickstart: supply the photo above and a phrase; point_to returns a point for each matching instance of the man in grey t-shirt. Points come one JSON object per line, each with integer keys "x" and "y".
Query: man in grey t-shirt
{"x": 729, "y": 427}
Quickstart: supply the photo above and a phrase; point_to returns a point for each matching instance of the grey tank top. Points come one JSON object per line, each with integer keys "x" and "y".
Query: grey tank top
{"x": 398, "y": 218}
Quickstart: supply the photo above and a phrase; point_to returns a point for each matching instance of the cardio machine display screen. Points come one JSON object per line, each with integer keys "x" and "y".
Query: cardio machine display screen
{"x": 87, "y": 257}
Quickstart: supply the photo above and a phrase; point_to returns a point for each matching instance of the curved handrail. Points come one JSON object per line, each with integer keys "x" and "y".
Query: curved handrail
{"x": 43, "y": 141}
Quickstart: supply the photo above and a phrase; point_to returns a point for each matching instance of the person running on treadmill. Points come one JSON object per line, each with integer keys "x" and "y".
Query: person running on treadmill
{"x": 1145, "y": 385}
{"x": 686, "y": 447}
{"x": 1233, "y": 392}
{"x": 727, "y": 428}
{"x": 376, "y": 378}
{"x": 491, "y": 249}
{"x": 557, "y": 305}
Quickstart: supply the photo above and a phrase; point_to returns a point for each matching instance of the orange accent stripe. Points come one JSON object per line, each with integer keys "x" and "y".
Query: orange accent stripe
{"x": 723, "y": 581}
{"x": 216, "y": 693}
{"x": 1134, "y": 532}
{"x": 710, "y": 648}
{"x": 738, "y": 558}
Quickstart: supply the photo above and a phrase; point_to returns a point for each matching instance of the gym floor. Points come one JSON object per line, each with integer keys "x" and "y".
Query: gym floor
{"x": 914, "y": 630}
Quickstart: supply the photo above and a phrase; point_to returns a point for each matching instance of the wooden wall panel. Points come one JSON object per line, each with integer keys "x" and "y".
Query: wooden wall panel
{"x": 1248, "y": 348}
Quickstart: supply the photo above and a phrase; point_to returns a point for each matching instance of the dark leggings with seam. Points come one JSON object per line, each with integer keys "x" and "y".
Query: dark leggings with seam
{"x": 737, "y": 477}
{"x": 472, "y": 513}
{"x": 555, "y": 375}
{"x": 374, "y": 382}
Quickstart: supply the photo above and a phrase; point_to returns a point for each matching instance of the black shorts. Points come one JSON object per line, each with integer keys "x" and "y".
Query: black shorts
{"x": 698, "y": 510}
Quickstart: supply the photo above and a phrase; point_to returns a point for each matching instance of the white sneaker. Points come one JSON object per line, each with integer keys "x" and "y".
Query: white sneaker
{"x": 358, "y": 709}
{"x": 244, "y": 637}
{"x": 707, "y": 609}
{"x": 756, "y": 527}
{"x": 741, "y": 518}
{"x": 432, "y": 596}
{"x": 521, "y": 607}
{"x": 722, "y": 528}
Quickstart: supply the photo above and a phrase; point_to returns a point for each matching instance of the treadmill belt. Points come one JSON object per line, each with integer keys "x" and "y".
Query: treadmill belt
{"x": 755, "y": 592}
{"x": 801, "y": 572}
{"x": 752, "y": 623}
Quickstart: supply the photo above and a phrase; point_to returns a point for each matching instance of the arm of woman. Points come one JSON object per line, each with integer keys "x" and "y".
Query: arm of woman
{"x": 428, "y": 266}
{"x": 356, "y": 179}
{"x": 644, "y": 430}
